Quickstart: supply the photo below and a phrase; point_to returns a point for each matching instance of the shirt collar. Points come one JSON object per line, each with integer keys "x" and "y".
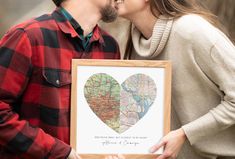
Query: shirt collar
{"x": 69, "y": 26}
{"x": 72, "y": 21}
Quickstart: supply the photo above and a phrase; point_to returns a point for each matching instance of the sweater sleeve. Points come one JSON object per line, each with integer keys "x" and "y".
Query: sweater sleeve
{"x": 16, "y": 135}
{"x": 215, "y": 55}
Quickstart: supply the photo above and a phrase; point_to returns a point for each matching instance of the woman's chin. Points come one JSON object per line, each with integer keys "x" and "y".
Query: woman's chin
{"x": 124, "y": 16}
{"x": 121, "y": 13}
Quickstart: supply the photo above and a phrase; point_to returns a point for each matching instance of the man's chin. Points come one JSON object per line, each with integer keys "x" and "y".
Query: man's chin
{"x": 108, "y": 14}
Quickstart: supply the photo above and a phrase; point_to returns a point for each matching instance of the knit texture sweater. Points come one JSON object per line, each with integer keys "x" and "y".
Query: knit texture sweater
{"x": 203, "y": 80}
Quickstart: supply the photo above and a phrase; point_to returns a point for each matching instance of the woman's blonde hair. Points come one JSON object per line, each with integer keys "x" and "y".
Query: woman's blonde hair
{"x": 176, "y": 8}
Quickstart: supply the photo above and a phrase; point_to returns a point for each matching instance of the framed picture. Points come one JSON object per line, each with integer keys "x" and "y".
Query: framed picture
{"x": 119, "y": 106}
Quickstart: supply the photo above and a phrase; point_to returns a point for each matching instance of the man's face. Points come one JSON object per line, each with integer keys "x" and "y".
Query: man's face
{"x": 108, "y": 12}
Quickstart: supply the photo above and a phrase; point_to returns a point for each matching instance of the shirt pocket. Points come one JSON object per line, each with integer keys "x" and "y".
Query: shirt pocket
{"x": 57, "y": 78}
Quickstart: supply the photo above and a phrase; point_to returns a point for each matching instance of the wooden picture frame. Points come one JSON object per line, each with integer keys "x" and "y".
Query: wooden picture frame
{"x": 119, "y": 106}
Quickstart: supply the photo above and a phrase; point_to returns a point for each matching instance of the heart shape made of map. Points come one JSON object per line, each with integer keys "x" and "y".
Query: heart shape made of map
{"x": 120, "y": 107}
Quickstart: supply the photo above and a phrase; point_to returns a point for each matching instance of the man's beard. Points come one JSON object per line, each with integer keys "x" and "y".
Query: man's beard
{"x": 108, "y": 14}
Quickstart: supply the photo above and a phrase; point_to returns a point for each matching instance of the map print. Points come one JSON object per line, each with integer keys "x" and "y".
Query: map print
{"x": 120, "y": 107}
{"x": 138, "y": 93}
{"x": 102, "y": 93}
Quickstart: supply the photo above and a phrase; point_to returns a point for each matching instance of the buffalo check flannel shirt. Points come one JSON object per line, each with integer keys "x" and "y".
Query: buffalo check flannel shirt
{"x": 35, "y": 82}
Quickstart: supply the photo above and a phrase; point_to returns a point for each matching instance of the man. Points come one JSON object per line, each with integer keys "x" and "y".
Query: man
{"x": 35, "y": 76}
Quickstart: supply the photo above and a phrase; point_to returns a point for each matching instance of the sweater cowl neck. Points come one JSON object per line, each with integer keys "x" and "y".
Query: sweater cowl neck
{"x": 150, "y": 48}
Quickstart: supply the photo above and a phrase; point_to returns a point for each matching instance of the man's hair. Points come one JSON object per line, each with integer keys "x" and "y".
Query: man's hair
{"x": 58, "y": 2}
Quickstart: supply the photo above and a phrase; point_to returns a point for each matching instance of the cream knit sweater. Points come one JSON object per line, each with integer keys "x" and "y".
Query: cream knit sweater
{"x": 203, "y": 88}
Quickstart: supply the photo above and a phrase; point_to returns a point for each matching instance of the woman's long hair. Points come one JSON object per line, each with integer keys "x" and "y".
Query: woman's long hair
{"x": 175, "y": 8}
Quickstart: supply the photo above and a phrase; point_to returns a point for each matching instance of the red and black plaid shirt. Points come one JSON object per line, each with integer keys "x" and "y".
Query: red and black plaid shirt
{"x": 35, "y": 81}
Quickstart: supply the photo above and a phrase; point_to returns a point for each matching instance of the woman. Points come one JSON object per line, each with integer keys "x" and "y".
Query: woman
{"x": 203, "y": 60}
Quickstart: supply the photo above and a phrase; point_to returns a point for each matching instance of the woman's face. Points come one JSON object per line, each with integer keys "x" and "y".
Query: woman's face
{"x": 129, "y": 8}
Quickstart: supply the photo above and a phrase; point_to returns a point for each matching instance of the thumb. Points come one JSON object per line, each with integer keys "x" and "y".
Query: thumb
{"x": 120, "y": 156}
{"x": 157, "y": 146}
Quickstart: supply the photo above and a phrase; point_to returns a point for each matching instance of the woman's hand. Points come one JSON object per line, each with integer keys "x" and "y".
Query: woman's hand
{"x": 172, "y": 143}
{"x": 115, "y": 157}
{"x": 73, "y": 155}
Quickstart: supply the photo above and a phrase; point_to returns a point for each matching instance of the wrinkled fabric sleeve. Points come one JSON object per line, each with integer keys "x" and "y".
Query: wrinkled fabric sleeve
{"x": 16, "y": 135}
{"x": 217, "y": 61}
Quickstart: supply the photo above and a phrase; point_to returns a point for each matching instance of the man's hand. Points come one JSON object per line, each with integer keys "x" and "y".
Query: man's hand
{"x": 172, "y": 143}
{"x": 73, "y": 155}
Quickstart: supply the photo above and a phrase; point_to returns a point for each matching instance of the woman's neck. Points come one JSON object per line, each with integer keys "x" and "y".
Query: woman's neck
{"x": 144, "y": 22}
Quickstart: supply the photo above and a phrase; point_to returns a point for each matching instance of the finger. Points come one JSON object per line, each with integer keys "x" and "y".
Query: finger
{"x": 157, "y": 147}
{"x": 120, "y": 156}
{"x": 77, "y": 156}
{"x": 111, "y": 157}
{"x": 163, "y": 156}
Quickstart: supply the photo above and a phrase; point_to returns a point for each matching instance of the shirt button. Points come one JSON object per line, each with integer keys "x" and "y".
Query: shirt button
{"x": 57, "y": 82}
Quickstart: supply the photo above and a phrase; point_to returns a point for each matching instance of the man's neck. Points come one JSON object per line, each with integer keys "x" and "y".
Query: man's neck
{"x": 85, "y": 13}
